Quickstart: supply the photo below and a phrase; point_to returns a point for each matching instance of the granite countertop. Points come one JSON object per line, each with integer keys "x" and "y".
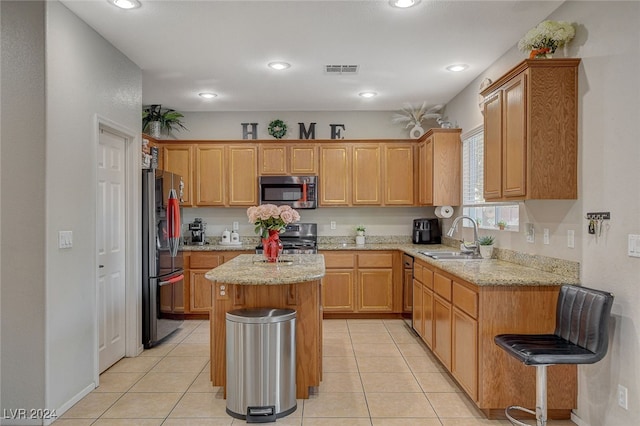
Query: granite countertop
{"x": 244, "y": 269}
{"x": 517, "y": 269}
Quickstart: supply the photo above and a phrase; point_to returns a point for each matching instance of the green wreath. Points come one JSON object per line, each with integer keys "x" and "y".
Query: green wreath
{"x": 277, "y": 129}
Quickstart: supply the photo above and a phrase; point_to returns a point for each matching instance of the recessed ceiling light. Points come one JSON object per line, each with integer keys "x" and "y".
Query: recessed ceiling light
{"x": 457, "y": 67}
{"x": 207, "y": 95}
{"x": 403, "y": 4}
{"x": 125, "y": 4}
{"x": 278, "y": 65}
{"x": 367, "y": 94}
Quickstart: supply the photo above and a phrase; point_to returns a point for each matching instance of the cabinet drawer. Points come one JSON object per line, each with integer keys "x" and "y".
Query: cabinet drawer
{"x": 375, "y": 260}
{"x": 339, "y": 260}
{"x": 465, "y": 299}
{"x": 204, "y": 260}
{"x": 442, "y": 286}
{"x": 417, "y": 272}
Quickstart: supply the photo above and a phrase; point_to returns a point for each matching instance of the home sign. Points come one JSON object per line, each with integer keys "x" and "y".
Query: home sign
{"x": 250, "y": 131}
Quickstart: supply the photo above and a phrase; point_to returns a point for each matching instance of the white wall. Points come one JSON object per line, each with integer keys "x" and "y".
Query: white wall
{"x": 608, "y": 41}
{"x": 22, "y": 218}
{"x": 85, "y": 76}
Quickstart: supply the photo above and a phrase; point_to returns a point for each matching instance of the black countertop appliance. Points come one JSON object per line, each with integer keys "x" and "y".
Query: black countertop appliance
{"x": 426, "y": 231}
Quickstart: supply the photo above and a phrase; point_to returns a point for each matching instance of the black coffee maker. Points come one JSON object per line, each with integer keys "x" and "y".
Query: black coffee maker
{"x": 426, "y": 231}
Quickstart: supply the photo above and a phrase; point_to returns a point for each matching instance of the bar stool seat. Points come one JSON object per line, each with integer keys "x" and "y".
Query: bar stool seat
{"x": 581, "y": 336}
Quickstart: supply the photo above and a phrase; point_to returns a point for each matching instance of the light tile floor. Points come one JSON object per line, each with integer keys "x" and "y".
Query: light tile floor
{"x": 375, "y": 373}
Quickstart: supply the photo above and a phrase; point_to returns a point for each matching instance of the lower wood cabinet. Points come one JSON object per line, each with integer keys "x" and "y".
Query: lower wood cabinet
{"x": 458, "y": 320}
{"x": 197, "y": 289}
{"x": 362, "y": 282}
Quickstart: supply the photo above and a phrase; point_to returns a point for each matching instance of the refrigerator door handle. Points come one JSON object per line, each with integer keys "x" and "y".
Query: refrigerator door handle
{"x": 173, "y": 280}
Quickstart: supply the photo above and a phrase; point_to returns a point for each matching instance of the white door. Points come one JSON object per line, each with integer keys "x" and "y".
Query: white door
{"x": 111, "y": 248}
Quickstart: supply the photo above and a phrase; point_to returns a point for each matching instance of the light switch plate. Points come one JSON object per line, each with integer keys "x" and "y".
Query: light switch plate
{"x": 571, "y": 238}
{"x": 545, "y": 235}
{"x": 65, "y": 239}
{"x": 333, "y": 224}
{"x": 634, "y": 245}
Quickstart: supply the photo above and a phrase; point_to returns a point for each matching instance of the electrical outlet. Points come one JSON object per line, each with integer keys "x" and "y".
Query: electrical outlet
{"x": 333, "y": 224}
{"x": 235, "y": 226}
{"x": 622, "y": 397}
{"x": 571, "y": 238}
{"x": 531, "y": 233}
{"x": 634, "y": 245}
{"x": 545, "y": 235}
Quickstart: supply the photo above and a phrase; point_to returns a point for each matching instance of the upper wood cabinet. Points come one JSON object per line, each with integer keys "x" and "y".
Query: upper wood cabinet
{"x": 288, "y": 159}
{"x": 530, "y": 125}
{"x": 367, "y": 174}
{"x": 178, "y": 159}
{"x": 214, "y": 174}
{"x": 439, "y": 161}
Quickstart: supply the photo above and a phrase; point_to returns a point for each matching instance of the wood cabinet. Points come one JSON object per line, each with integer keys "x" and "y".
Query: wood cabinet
{"x": 466, "y": 318}
{"x": 367, "y": 174}
{"x": 178, "y": 159}
{"x": 197, "y": 289}
{"x": 214, "y": 174}
{"x": 288, "y": 159}
{"x": 530, "y": 132}
{"x": 362, "y": 282}
{"x": 439, "y": 162}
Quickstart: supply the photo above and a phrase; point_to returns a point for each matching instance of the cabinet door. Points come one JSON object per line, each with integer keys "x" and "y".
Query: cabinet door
{"x": 366, "y": 175}
{"x": 335, "y": 173}
{"x": 303, "y": 160}
{"x": 417, "y": 318}
{"x": 273, "y": 160}
{"x": 243, "y": 178}
{"x": 514, "y": 143}
{"x": 338, "y": 290}
{"x": 442, "y": 330}
{"x": 446, "y": 153}
{"x": 464, "y": 365}
{"x": 375, "y": 290}
{"x": 398, "y": 175}
{"x": 493, "y": 146}
{"x": 178, "y": 159}
{"x": 209, "y": 175}
{"x": 200, "y": 291}
{"x": 427, "y": 165}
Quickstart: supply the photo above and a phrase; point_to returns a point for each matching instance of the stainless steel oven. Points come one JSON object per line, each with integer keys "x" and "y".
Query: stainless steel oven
{"x": 299, "y": 192}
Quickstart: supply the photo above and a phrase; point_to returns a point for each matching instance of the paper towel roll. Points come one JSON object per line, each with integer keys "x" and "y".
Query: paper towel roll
{"x": 444, "y": 212}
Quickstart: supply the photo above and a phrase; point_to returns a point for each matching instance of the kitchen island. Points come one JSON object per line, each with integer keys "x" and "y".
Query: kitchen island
{"x": 248, "y": 282}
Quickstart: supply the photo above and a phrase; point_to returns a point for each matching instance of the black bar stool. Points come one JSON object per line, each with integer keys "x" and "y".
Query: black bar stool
{"x": 581, "y": 337}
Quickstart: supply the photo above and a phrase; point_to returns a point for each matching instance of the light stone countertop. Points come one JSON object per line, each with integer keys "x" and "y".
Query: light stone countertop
{"x": 519, "y": 270}
{"x": 246, "y": 269}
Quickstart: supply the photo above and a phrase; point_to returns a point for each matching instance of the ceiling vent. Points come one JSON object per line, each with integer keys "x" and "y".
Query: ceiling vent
{"x": 341, "y": 69}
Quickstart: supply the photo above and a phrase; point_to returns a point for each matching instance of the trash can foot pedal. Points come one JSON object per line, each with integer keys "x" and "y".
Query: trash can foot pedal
{"x": 264, "y": 414}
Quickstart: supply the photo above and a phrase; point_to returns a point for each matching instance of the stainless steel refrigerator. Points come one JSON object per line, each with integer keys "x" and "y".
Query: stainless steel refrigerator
{"x": 162, "y": 265}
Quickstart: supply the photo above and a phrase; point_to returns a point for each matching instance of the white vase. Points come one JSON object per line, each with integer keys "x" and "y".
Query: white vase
{"x": 416, "y": 132}
{"x": 360, "y": 240}
{"x": 486, "y": 251}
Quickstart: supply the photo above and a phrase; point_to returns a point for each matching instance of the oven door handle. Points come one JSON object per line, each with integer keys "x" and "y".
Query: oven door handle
{"x": 173, "y": 280}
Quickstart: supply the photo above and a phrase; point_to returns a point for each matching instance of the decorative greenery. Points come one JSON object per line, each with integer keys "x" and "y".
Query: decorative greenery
{"x": 502, "y": 224}
{"x": 546, "y": 37}
{"x": 169, "y": 118}
{"x": 277, "y": 129}
{"x": 487, "y": 240}
{"x": 271, "y": 217}
{"x": 414, "y": 116}
{"x": 360, "y": 228}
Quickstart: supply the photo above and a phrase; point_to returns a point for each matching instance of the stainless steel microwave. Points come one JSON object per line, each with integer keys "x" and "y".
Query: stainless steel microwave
{"x": 299, "y": 192}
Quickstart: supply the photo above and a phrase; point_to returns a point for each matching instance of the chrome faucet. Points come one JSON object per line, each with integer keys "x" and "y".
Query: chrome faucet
{"x": 476, "y": 244}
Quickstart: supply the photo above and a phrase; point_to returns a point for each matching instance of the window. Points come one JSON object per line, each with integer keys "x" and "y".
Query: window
{"x": 487, "y": 215}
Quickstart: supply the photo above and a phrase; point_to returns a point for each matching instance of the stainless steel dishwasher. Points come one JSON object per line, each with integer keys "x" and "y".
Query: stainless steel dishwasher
{"x": 407, "y": 288}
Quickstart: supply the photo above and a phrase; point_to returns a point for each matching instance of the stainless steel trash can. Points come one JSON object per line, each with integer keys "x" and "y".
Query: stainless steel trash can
{"x": 261, "y": 364}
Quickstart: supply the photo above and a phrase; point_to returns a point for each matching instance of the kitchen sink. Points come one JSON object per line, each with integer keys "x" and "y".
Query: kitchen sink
{"x": 450, "y": 255}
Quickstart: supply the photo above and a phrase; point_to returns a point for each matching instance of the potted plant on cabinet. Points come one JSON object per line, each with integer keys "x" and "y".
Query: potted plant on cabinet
{"x": 486, "y": 246}
{"x": 157, "y": 120}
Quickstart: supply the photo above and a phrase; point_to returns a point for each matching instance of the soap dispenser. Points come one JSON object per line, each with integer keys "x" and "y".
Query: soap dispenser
{"x": 226, "y": 237}
{"x": 235, "y": 237}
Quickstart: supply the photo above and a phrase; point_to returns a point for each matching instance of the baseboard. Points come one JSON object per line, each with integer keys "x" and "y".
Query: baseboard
{"x": 64, "y": 407}
{"x": 577, "y": 420}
